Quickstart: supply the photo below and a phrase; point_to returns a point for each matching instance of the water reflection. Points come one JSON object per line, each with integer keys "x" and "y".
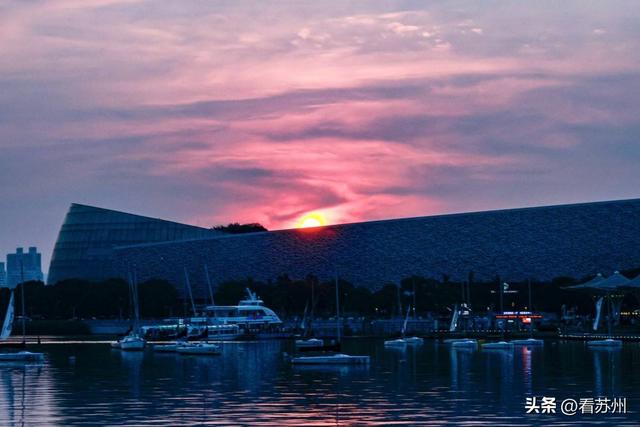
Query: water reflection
{"x": 460, "y": 361}
{"x": 24, "y": 395}
{"x": 251, "y": 384}
{"x": 605, "y": 370}
{"x": 525, "y": 354}
{"x": 132, "y": 362}
{"x": 499, "y": 372}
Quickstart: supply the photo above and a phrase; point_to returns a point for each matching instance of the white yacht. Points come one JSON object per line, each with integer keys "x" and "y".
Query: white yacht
{"x": 250, "y": 312}
{"x": 194, "y": 328}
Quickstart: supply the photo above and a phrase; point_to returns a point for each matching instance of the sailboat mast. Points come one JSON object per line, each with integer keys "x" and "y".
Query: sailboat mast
{"x": 206, "y": 275}
{"x": 501, "y": 285}
{"x": 414, "y": 298}
{"x": 530, "y": 310}
{"x": 337, "y": 309}
{"x": 312, "y": 305}
{"x": 135, "y": 300}
{"x": 186, "y": 278}
{"x": 22, "y": 300}
{"x": 406, "y": 320}
{"x": 610, "y": 313}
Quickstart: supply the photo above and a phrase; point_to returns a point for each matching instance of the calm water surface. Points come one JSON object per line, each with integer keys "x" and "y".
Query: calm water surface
{"x": 251, "y": 384}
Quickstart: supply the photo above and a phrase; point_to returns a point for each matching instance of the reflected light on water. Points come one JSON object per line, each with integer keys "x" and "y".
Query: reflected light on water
{"x": 251, "y": 384}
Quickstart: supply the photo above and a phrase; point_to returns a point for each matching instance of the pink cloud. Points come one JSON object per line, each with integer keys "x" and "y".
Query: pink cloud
{"x": 214, "y": 112}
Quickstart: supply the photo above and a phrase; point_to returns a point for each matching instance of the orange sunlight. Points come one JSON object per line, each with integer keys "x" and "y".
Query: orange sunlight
{"x": 312, "y": 219}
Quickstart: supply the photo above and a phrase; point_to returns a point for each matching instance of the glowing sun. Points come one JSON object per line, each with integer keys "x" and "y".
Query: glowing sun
{"x": 313, "y": 219}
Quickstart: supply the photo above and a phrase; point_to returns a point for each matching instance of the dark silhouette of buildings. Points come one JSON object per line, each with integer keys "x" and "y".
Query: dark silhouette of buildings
{"x": 27, "y": 265}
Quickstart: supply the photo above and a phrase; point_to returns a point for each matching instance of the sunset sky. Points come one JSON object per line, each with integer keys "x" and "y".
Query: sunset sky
{"x": 212, "y": 112}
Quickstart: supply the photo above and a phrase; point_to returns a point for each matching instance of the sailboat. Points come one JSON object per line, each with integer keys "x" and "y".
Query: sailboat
{"x": 499, "y": 345}
{"x": 332, "y": 359}
{"x": 196, "y": 347}
{"x": 531, "y": 340}
{"x": 314, "y": 344}
{"x": 133, "y": 341}
{"x": 7, "y": 325}
{"x": 8, "y": 320}
{"x": 464, "y": 342}
{"x": 402, "y": 341}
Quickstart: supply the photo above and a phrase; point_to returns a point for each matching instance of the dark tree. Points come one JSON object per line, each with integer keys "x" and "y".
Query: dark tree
{"x": 237, "y": 228}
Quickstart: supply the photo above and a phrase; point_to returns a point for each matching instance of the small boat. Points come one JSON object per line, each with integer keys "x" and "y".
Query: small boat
{"x": 315, "y": 344}
{"x": 455, "y": 340}
{"x": 199, "y": 348}
{"x": 311, "y": 342}
{"x": 399, "y": 342}
{"x": 528, "y": 341}
{"x": 499, "y": 345}
{"x": 402, "y": 341}
{"x": 5, "y": 332}
{"x": 464, "y": 344}
{"x": 115, "y": 345}
{"x": 609, "y": 342}
{"x": 333, "y": 359}
{"x": 170, "y": 348}
{"x": 21, "y": 356}
{"x": 165, "y": 348}
{"x": 132, "y": 342}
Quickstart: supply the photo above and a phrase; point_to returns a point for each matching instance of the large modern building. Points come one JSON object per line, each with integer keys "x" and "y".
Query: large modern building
{"x": 88, "y": 236}
{"x": 24, "y": 266}
{"x": 540, "y": 243}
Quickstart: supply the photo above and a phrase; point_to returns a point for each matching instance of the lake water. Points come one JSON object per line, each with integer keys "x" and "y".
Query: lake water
{"x": 251, "y": 384}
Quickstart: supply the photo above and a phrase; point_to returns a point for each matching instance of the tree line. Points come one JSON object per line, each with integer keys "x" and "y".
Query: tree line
{"x": 81, "y": 299}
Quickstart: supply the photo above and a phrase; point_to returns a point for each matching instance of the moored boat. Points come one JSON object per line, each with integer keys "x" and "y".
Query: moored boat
{"x": 132, "y": 342}
{"x": 21, "y": 356}
{"x": 464, "y": 344}
{"x": 166, "y": 348}
{"x": 414, "y": 340}
{"x": 528, "y": 341}
{"x": 403, "y": 341}
{"x": 498, "y": 345}
{"x": 311, "y": 342}
{"x": 5, "y": 332}
{"x": 332, "y": 359}
{"x": 199, "y": 348}
{"x": 399, "y": 342}
{"x": 609, "y": 342}
{"x": 454, "y": 340}
{"x": 315, "y": 344}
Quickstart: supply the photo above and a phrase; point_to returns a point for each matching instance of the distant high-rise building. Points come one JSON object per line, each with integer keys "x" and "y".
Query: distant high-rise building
{"x": 21, "y": 264}
{"x": 3, "y": 275}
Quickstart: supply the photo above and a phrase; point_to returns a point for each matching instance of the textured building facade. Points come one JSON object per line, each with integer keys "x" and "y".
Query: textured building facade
{"x": 85, "y": 243}
{"x": 24, "y": 266}
{"x": 541, "y": 243}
